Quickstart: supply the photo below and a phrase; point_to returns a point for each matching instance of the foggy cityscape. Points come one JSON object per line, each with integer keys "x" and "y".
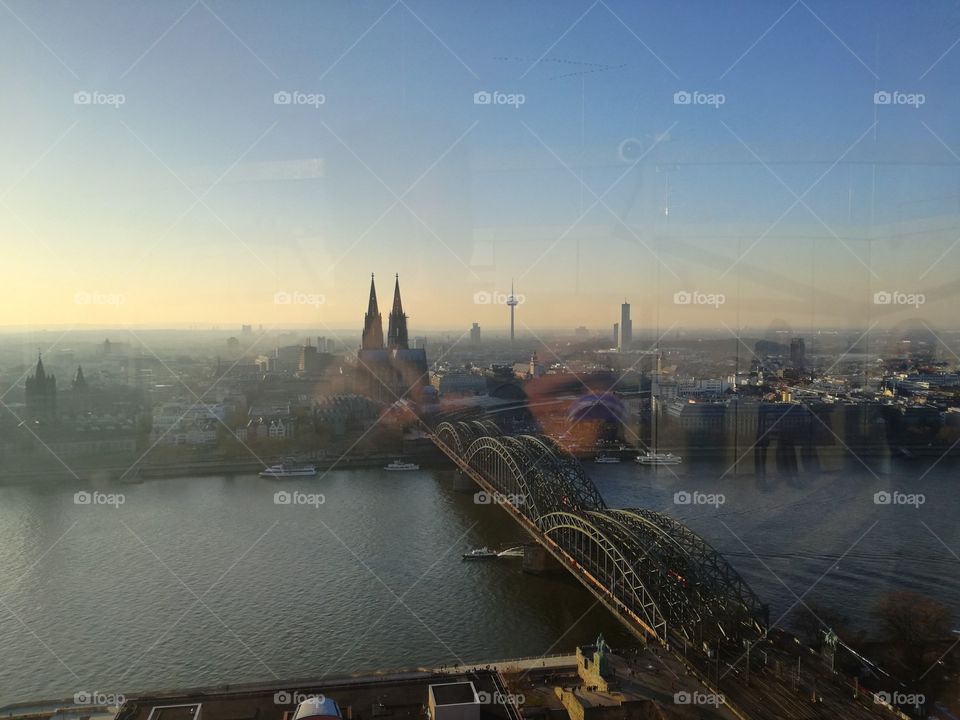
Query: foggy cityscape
{"x": 479, "y": 361}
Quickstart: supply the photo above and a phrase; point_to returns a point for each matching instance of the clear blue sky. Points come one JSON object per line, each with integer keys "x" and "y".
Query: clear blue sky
{"x": 104, "y": 198}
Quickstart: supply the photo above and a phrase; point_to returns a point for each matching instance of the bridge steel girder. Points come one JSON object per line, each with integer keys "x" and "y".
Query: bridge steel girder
{"x": 657, "y": 557}
{"x": 459, "y": 435}
{"x": 447, "y": 434}
{"x": 526, "y": 465}
{"x": 579, "y": 491}
{"x": 589, "y": 542}
{"x": 671, "y": 580}
{"x": 503, "y": 467}
{"x": 726, "y": 596}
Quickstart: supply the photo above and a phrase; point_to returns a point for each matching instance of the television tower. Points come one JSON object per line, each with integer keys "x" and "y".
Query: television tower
{"x": 512, "y": 302}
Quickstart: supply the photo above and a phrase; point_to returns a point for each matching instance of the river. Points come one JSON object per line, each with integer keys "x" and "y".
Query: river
{"x": 205, "y": 581}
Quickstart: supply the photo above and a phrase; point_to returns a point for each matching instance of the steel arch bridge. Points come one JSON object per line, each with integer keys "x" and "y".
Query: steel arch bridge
{"x": 650, "y": 568}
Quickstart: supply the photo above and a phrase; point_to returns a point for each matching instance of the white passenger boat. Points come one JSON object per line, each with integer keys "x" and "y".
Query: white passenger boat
{"x": 655, "y": 458}
{"x": 400, "y": 466}
{"x": 284, "y": 470}
{"x": 605, "y": 459}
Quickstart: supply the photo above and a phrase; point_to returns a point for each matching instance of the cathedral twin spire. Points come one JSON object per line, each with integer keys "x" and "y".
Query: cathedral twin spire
{"x": 372, "y": 338}
{"x": 397, "y": 337}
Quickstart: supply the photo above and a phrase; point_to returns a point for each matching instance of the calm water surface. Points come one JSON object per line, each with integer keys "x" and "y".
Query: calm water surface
{"x": 206, "y": 581}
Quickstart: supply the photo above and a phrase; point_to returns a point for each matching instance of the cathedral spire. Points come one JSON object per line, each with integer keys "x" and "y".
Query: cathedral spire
{"x": 397, "y": 322}
{"x": 397, "y": 305}
{"x": 372, "y": 338}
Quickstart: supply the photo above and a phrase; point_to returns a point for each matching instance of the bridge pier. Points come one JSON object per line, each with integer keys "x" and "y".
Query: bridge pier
{"x": 538, "y": 561}
{"x": 464, "y": 483}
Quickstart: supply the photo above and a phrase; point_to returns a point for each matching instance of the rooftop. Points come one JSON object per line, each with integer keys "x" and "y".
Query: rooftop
{"x": 457, "y": 693}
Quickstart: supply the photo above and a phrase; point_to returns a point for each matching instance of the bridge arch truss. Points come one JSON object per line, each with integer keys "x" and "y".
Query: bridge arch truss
{"x": 667, "y": 576}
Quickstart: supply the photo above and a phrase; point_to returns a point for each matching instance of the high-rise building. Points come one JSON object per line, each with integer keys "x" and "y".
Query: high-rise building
{"x": 616, "y": 335}
{"x": 626, "y": 327}
{"x": 798, "y": 353}
{"x": 475, "y": 334}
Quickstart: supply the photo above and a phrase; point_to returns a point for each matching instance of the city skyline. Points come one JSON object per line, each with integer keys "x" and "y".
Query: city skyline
{"x": 348, "y": 346}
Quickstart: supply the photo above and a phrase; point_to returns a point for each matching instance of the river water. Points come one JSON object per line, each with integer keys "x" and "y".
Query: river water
{"x": 205, "y": 581}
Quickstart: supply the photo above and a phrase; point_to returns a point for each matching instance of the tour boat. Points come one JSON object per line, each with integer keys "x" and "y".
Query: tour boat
{"x": 483, "y": 553}
{"x": 606, "y": 459}
{"x": 283, "y": 470}
{"x": 400, "y": 466}
{"x": 655, "y": 458}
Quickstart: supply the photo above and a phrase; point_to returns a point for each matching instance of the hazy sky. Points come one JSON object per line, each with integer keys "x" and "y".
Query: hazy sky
{"x": 152, "y": 174}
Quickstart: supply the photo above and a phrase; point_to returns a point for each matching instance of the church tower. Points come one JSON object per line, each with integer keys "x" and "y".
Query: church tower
{"x": 79, "y": 381}
{"x": 372, "y": 338}
{"x": 41, "y": 393}
{"x": 397, "y": 322}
